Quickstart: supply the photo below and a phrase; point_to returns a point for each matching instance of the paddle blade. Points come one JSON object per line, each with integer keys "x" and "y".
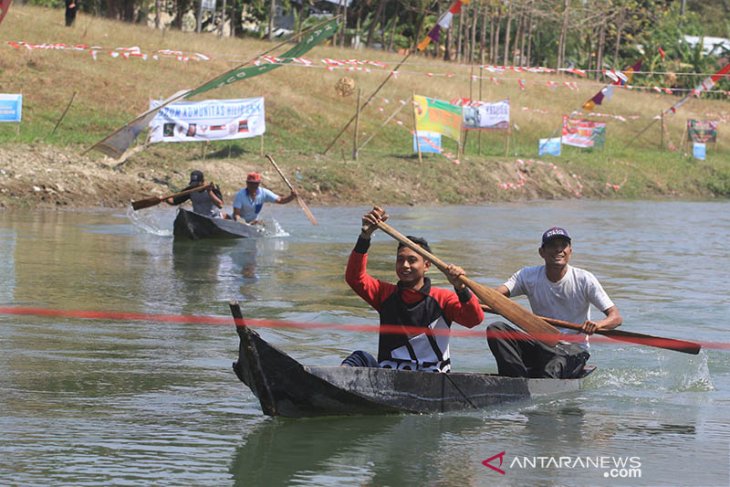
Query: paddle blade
{"x": 306, "y": 210}
{"x": 534, "y": 325}
{"x": 146, "y": 203}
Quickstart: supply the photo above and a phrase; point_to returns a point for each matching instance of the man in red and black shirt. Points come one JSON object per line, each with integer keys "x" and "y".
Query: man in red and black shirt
{"x": 411, "y": 303}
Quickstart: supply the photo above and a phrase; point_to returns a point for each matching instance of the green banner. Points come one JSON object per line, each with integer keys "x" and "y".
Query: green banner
{"x": 307, "y": 43}
{"x": 702, "y": 130}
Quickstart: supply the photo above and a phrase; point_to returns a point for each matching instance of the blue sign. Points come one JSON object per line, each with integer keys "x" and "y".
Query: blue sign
{"x": 428, "y": 141}
{"x": 11, "y": 108}
{"x": 549, "y": 147}
{"x": 699, "y": 150}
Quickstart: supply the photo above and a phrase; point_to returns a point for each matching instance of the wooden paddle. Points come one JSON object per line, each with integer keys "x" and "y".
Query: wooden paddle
{"x": 301, "y": 202}
{"x": 630, "y": 336}
{"x": 156, "y": 200}
{"x": 535, "y": 326}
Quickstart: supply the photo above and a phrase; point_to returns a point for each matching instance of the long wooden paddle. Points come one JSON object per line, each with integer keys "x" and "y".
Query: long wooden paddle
{"x": 301, "y": 202}
{"x": 156, "y": 200}
{"x": 630, "y": 336}
{"x": 535, "y": 326}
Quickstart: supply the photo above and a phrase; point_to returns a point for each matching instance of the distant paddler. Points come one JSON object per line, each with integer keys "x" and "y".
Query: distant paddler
{"x": 207, "y": 201}
{"x": 250, "y": 200}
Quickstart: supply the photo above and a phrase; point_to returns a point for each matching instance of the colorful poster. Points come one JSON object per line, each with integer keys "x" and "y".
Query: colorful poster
{"x": 429, "y": 142}
{"x": 702, "y": 130}
{"x": 583, "y": 133}
{"x": 11, "y": 108}
{"x": 438, "y": 116}
{"x": 549, "y": 147}
{"x": 208, "y": 120}
{"x": 480, "y": 115}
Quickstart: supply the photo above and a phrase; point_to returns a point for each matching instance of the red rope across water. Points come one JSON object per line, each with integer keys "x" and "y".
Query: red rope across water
{"x": 456, "y": 331}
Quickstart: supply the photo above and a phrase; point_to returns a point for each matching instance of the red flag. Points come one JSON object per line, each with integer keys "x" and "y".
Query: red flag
{"x": 4, "y": 6}
{"x": 662, "y": 53}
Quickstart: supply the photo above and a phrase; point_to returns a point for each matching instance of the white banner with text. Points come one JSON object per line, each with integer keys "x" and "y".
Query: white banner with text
{"x": 208, "y": 120}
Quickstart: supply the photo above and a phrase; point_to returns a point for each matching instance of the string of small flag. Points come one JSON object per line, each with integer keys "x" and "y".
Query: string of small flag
{"x": 617, "y": 78}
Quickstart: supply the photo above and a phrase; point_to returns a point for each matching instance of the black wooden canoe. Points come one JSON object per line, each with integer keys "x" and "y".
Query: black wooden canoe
{"x": 285, "y": 387}
{"x": 194, "y": 226}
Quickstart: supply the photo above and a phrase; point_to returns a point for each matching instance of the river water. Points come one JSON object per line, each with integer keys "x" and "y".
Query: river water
{"x": 155, "y": 402}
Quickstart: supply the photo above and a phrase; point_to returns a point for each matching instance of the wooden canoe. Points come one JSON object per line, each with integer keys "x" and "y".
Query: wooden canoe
{"x": 285, "y": 387}
{"x": 194, "y": 226}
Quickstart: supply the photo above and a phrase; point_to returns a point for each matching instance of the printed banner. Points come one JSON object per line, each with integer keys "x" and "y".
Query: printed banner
{"x": 486, "y": 116}
{"x": 438, "y": 116}
{"x": 430, "y": 142}
{"x": 549, "y": 147}
{"x": 208, "y": 120}
{"x": 702, "y": 130}
{"x": 306, "y": 44}
{"x": 11, "y": 108}
{"x": 583, "y": 133}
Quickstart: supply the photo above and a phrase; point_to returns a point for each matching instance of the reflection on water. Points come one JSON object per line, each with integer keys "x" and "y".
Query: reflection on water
{"x": 7, "y": 266}
{"x": 152, "y": 402}
{"x": 354, "y": 451}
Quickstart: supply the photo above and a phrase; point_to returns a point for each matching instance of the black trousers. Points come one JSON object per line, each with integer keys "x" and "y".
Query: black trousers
{"x": 360, "y": 359}
{"x": 519, "y": 355}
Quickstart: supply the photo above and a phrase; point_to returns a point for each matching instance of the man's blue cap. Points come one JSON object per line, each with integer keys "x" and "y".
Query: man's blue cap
{"x": 553, "y": 233}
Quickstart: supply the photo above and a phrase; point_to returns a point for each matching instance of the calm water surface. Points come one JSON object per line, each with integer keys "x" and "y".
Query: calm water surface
{"x": 102, "y": 401}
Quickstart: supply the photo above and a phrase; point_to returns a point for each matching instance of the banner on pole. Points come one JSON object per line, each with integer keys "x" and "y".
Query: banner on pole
{"x": 480, "y": 115}
{"x": 549, "y": 147}
{"x": 438, "y": 116}
{"x": 429, "y": 142}
{"x": 702, "y": 130}
{"x": 11, "y": 108}
{"x": 208, "y": 120}
{"x": 305, "y": 45}
{"x": 583, "y": 133}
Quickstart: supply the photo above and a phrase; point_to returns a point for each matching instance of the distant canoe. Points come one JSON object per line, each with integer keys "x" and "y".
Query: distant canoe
{"x": 193, "y": 226}
{"x": 285, "y": 387}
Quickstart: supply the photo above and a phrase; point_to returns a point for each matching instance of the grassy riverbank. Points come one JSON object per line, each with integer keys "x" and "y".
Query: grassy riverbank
{"x": 43, "y": 167}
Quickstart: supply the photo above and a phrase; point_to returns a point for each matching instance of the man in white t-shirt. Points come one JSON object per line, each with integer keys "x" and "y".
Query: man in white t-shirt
{"x": 555, "y": 290}
{"x": 250, "y": 200}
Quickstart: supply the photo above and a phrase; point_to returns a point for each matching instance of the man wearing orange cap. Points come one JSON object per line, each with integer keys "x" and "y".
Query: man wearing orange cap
{"x": 250, "y": 200}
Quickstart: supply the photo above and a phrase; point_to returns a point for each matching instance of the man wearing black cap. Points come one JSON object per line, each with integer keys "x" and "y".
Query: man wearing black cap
{"x": 411, "y": 304}
{"x": 208, "y": 201}
{"x": 555, "y": 290}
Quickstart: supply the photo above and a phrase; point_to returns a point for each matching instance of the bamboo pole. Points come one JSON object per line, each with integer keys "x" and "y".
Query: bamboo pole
{"x": 390, "y": 75}
{"x": 415, "y": 126}
{"x": 63, "y": 115}
{"x": 391, "y": 117}
{"x": 357, "y": 125}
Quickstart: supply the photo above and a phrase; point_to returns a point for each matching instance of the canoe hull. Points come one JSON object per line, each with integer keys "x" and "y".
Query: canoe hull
{"x": 288, "y": 388}
{"x": 193, "y": 226}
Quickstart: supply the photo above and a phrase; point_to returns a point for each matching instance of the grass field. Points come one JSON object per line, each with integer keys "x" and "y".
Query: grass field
{"x": 305, "y": 113}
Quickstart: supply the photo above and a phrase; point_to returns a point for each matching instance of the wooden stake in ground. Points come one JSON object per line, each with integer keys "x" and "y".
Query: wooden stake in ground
{"x": 63, "y": 115}
{"x": 415, "y": 127}
{"x": 357, "y": 125}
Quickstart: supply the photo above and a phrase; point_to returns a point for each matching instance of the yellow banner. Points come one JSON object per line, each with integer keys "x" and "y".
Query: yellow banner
{"x": 437, "y": 116}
